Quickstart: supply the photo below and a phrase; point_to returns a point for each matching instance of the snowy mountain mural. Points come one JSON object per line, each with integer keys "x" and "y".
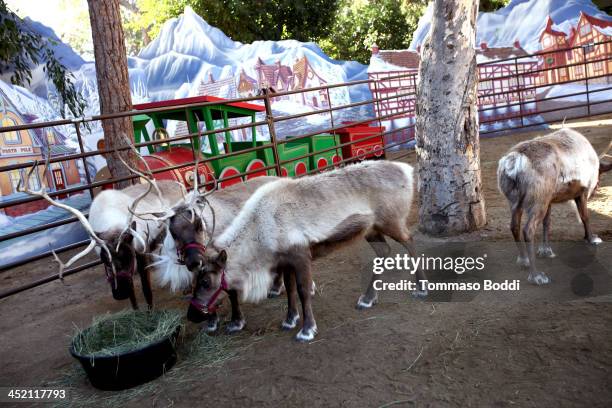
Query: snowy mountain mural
{"x": 521, "y": 20}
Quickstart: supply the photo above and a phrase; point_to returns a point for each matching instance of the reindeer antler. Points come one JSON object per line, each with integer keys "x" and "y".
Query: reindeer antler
{"x": 23, "y": 186}
{"x": 150, "y": 179}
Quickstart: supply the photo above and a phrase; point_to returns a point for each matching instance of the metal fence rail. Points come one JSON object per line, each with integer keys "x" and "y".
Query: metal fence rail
{"x": 404, "y": 107}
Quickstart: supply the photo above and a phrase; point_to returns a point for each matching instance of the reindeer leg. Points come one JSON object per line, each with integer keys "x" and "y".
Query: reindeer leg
{"x": 382, "y": 250}
{"x": 133, "y": 300}
{"x": 401, "y": 234}
{"x": 583, "y": 211}
{"x": 145, "y": 279}
{"x": 303, "y": 278}
{"x": 534, "y": 215}
{"x": 545, "y": 251}
{"x": 277, "y": 286}
{"x": 515, "y": 227}
{"x": 237, "y": 321}
{"x": 293, "y": 315}
{"x": 421, "y": 278}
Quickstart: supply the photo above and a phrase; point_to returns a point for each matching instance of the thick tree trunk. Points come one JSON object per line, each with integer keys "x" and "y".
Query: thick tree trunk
{"x": 113, "y": 82}
{"x": 448, "y": 147}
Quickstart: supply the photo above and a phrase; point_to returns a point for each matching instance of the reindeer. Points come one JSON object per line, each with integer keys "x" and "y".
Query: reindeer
{"x": 191, "y": 224}
{"x": 121, "y": 241}
{"x": 287, "y": 223}
{"x": 547, "y": 170}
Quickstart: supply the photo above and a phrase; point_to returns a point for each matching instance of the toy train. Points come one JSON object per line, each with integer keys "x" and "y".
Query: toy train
{"x": 291, "y": 154}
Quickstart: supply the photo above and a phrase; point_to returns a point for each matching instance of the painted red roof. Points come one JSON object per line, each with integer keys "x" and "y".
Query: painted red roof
{"x": 195, "y": 100}
{"x": 403, "y": 58}
{"x": 549, "y": 30}
{"x": 596, "y": 21}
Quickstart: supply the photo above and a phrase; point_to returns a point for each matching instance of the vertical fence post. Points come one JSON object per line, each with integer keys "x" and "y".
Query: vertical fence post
{"x": 85, "y": 168}
{"x": 586, "y": 79}
{"x": 270, "y": 121}
{"x": 518, "y": 88}
{"x": 377, "y": 112}
{"x": 331, "y": 118}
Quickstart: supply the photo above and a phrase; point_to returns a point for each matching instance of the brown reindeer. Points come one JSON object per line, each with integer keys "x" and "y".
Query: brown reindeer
{"x": 287, "y": 223}
{"x": 547, "y": 170}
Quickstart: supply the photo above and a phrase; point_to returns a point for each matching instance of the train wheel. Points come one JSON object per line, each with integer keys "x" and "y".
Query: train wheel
{"x": 380, "y": 152}
{"x": 300, "y": 169}
{"x": 284, "y": 172}
{"x": 336, "y": 160}
{"x": 358, "y": 154}
{"x": 229, "y": 172}
{"x": 322, "y": 163}
{"x": 255, "y": 164}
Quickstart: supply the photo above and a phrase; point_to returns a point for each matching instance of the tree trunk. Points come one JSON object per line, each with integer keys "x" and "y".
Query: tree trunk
{"x": 448, "y": 148}
{"x": 113, "y": 82}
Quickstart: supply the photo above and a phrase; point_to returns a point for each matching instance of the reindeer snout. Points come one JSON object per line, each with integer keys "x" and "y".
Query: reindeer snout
{"x": 194, "y": 263}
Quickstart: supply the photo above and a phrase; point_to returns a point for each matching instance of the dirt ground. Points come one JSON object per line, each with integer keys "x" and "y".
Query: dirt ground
{"x": 408, "y": 353}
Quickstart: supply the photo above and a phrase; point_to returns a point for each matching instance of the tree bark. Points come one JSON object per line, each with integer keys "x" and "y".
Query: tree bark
{"x": 448, "y": 147}
{"x": 113, "y": 83}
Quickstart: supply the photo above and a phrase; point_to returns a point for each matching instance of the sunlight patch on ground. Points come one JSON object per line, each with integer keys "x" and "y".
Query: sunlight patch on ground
{"x": 586, "y": 123}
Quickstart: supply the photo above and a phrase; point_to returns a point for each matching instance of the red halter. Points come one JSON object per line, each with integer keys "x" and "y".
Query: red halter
{"x": 180, "y": 253}
{"x": 210, "y": 306}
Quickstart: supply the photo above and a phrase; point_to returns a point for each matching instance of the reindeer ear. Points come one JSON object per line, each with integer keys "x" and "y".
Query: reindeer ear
{"x": 221, "y": 259}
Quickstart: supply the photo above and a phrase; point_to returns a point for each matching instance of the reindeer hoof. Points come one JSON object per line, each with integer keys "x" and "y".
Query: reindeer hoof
{"x": 290, "y": 323}
{"x": 235, "y": 326}
{"x": 545, "y": 252}
{"x": 211, "y": 326}
{"x": 420, "y": 294}
{"x": 595, "y": 240}
{"x": 524, "y": 262}
{"x": 306, "y": 335}
{"x": 274, "y": 293}
{"x": 538, "y": 278}
{"x": 313, "y": 289}
{"x": 364, "y": 303}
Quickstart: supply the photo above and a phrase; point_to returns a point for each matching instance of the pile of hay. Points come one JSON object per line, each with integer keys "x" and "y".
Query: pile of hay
{"x": 126, "y": 331}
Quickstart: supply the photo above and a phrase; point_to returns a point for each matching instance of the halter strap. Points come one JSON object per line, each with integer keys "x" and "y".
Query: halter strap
{"x": 180, "y": 252}
{"x": 210, "y": 306}
{"x": 121, "y": 274}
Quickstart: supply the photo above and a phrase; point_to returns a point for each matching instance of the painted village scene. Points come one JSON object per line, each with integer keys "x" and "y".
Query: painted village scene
{"x": 225, "y": 96}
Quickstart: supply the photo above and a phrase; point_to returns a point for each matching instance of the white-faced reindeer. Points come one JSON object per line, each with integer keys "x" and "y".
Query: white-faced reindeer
{"x": 537, "y": 173}
{"x": 287, "y": 223}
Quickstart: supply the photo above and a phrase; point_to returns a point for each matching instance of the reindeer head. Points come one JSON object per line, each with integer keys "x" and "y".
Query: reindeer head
{"x": 210, "y": 286}
{"x": 121, "y": 262}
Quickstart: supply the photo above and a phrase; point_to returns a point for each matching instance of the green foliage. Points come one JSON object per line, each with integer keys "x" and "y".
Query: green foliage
{"x": 492, "y": 5}
{"x": 358, "y": 25}
{"x": 23, "y": 49}
{"x": 241, "y": 20}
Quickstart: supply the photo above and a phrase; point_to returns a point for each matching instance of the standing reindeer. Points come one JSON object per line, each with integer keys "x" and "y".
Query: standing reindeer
{"x": 287, "y": 223}
{"x": 537, "y": 173}
{"x": 192, "y": 224}
{"x": 123, "y": 241}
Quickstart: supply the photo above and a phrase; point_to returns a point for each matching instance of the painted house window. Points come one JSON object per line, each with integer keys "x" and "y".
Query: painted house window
{"x": 546, "y": 42}
{"x": 18, "y": 175}
{"x": 579, "y": 69}
{"x": 588, "y": 48}
{"x": 598, "y": 66}
{"x": 585, "y": 29}
{"x": 10, "y": 137}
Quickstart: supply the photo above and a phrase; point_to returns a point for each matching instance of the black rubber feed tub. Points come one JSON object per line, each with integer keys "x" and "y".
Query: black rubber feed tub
{"x": 130, "y": 369}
